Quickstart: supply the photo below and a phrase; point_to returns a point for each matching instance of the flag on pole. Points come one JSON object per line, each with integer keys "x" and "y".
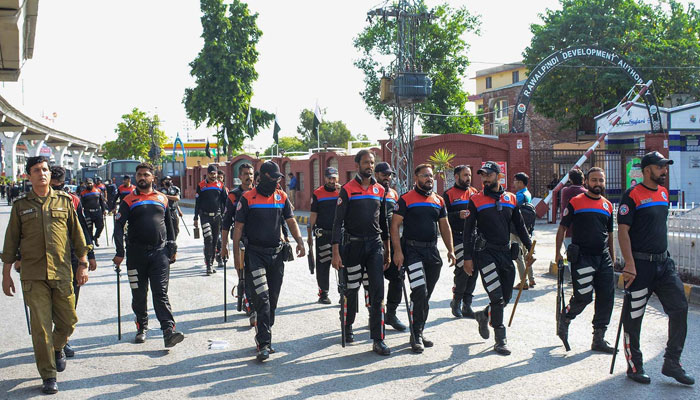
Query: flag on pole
{"x": 206, "y": 150}
{"x": 249, "y": 123}
{"x": 317, "y": 121}
{"x": 275, "y": 131}
{"x": 224, "y": 134}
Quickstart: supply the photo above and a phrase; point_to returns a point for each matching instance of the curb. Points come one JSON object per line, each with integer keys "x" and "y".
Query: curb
{"x": 692, "y": 292}
{"x": 302, "y": 219}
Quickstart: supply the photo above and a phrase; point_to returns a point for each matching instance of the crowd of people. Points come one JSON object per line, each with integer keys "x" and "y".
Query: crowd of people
{"x": 364, "y": 230}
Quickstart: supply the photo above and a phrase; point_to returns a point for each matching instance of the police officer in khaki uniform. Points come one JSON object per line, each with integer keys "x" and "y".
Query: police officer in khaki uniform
{"x": 43, "y": 226}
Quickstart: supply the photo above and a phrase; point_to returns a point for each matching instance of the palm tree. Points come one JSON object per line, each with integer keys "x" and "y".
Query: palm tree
{"x": 441, "y": 162}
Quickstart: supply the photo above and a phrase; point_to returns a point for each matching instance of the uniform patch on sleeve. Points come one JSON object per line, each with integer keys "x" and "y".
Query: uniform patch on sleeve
{"x": 566, "y": 211}
{"x": 118, "y": 215}
{"x": 239, "y": 206}
{"x": 340, "y": 201}
{"x": 468, "y": 214}
{"x": 624, "y": 209}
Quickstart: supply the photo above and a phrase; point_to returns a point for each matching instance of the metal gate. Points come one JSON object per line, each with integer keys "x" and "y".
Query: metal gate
{"x": 549, "y": 166}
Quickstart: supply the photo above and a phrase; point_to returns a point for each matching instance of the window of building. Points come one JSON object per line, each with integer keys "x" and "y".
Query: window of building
{"x": 300, "y": 181}
{"x": 488, "y": 82}
{"x": 516, "y": 76}
{"x": 501, "y": 108}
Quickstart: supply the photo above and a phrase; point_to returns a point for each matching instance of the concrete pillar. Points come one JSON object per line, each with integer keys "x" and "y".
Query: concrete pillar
{"x": 34, "y": 149}
{"x": 77, "y": 159}
{"x": 9, "y": 143}
{"x": 89, "y": 157}
{"x": 59, "y": 153}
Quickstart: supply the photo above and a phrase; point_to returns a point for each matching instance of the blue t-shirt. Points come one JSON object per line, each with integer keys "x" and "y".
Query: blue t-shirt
{"x": 523, "y": 196}
{"x": 293, "y": 183}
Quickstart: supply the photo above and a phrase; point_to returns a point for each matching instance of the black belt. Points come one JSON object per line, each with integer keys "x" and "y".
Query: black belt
{"x": 147, "y": 247}
{"x": 361, "y": 238}
{"x": 415, "y": 243}
{"x": 649, "y": 256}
{"x": 265, "y": 250}
{"x": 93, "y": 210}
{"x": 214, "y": 214}
{"x": 322, "y": 232}
{"x": 500, "y": 247}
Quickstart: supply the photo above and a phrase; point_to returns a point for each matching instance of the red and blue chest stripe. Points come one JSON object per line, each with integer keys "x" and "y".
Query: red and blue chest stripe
{"x": 644, "y": 197}
{"x": 155, "y": 198}
{"x": 392, "y": 196}
{"x": 216, "y": 185}
{"x": 126, "y": 189}
{"x": 324, "y": 195}
{"x": 88, "y": 193}
{"x": 414, "y": 199}
{"x": 584, "y": 204}
{"x": 258, "y": 201}
{"x": 355, "y": 191}
{"x": 483, "y": 202}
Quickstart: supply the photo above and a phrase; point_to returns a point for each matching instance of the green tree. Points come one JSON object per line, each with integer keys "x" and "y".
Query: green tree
{"x": 287, "y": 143}
{"x": 224, "y": 72}
{"x": 335, "y": 133}
{"x": 649, "y": 37}
{"x": 441, "y": 52}
{"x": 134, "y": 137}
{"x": 441, "y": 161}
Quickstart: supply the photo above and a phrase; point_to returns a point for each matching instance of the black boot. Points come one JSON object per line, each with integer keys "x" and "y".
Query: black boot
{"x": 501, "y": 347}
{"x": 455, "y": 306}
{"x": 599, "y": 343}
{"x": 417, "y": 343}
{"x": 140, "y": 334}
{"x": 209, "y": 269}
{"x": 482, "y": 318}
{"x": 263, "y": 353}
{"x": 349, "y": 336}
{"x": 467, "y": 311}
{"x": 674, "y": 369}
{"x": 68, "y": 349}
{"x": 60, "y": 360}
{"x": 49, "y": 386}
{"x": 172, "y": 337}
{"x": 323, "y": 297}
{"x": 391, "y": 319}
{"x": 640, "y": 376}
{"x": 380, "y": 348}
{"x": 563, "y": 330}
{"x": 426, "y": 342}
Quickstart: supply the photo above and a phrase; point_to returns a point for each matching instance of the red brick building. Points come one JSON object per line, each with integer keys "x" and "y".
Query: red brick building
{"x": 512, "y": 149}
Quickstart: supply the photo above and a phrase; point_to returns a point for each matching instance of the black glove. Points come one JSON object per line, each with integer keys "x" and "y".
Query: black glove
{"x": 171, "y": 247}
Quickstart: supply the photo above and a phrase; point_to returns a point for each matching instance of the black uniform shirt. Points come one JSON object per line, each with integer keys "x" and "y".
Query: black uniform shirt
{"x": 263, "y": 216}
{"x": 591, "y": 221}
{"x": 494, "y": 224}
{"x": 645, "y": 211}
{"x": 457, "y": 199}
{"x": 209, "y": 198}
{"x": 360, "y": 211}
{"x": 92, "y": 200}
{"x": 420, "y": 215}
{"x": 323, "y": 202}
{"x": 125, "y": 191}
{"x": 172, "y": 190}
{"x": 149, "y": 220}
{"x": 230, "y": 210}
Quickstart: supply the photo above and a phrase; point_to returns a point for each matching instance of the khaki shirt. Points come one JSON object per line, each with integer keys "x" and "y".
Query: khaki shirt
{"x": 43, "y": 231}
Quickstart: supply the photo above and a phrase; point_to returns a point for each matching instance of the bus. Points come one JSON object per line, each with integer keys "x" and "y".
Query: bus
{"x": 116, "y": 169}
{"x": 85, "y": 173}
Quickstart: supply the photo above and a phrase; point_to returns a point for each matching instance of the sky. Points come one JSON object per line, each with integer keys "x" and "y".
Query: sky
{"x": 96, "y": 60}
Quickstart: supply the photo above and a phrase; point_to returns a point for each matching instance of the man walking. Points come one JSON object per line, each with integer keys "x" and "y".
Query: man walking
{"x": 150, "y": 248}
{"x": 323, "y": 201}
{"x": 95, "y": 208}
{"x": 208, "y": 200}
{"x": 522, "y": 196}
{"x": 46, "y": 272}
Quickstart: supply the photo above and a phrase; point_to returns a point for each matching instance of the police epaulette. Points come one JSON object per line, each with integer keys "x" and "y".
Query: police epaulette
{"x": 22, "y": 196}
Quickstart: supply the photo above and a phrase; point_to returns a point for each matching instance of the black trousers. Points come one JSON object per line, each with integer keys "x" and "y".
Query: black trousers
{"x": 394, "y": 291}
{"x": 497, "y": 275}
{"x": 323, "y": 261}
{"x": 423, "y": 268}
{"x": 149, "y": 266}
{"x": 662, "y": 279}
{"x": 76, "y": 288}
{"x": 175, "y": 218}
{"x": 593, "y": 273}
{"x": 365, "y": 258}
{"x": 264, "y": 269}
{"x": 94, "y": 219}
{"x": 464, "y": 284}
{"x": 211, "y": 231}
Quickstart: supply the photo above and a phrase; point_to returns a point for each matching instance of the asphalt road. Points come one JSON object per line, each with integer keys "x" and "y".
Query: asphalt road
{"x": 310, "y": 361}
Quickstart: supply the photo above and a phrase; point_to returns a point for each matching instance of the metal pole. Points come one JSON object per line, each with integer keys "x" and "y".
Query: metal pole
{"x": 119, "y": 303}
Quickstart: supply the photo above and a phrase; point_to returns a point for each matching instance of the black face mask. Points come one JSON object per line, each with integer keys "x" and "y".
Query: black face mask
{"x": 167, "y": 184}
{"x": 494, "y": 194}
{"x": 57, "y": 187}
{"x": 329, "y": 187}
{"x": 266, "y": 186}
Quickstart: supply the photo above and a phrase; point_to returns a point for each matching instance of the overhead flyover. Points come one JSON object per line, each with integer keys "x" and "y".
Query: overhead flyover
{"x": 17, "y": 32}
{"x": 67, "y": 150}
